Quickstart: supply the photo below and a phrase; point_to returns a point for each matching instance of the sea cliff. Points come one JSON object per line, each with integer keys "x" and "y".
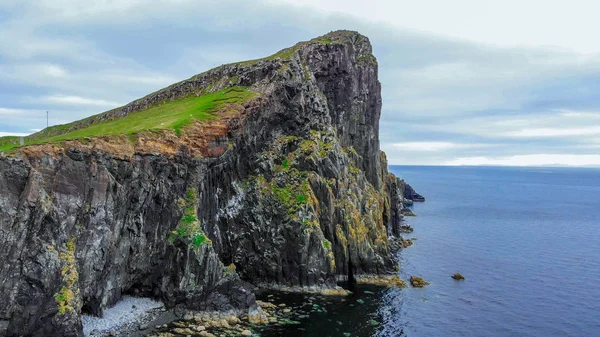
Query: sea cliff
{"x": 281, "y": 184}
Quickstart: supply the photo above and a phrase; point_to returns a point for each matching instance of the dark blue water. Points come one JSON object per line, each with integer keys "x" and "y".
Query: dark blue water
{"x": 526, "y": 239}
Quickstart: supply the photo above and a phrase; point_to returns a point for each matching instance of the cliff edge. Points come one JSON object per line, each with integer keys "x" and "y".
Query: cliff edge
{"x": 266, "y": 171}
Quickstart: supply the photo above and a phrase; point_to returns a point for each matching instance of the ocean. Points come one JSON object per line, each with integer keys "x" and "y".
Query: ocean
{"x": 526, "y": 239}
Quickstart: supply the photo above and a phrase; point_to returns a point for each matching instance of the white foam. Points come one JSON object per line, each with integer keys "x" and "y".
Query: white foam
{"x": 128, "y": 310}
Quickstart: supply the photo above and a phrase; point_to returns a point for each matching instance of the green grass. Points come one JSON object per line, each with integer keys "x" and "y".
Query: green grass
{"x": 8, "y": 142}
{"x": 165, "y": 116}
{"x": 283, "y": 54}
{"x": 189, "y": 229}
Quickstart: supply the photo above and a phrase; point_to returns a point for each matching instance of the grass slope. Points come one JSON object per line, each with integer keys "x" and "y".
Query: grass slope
{"x": 170, "y": 115}
{"x": 8, "y": 142}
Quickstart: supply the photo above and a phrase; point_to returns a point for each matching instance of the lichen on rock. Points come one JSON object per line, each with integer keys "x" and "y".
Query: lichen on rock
{"x": 68, "y": 298}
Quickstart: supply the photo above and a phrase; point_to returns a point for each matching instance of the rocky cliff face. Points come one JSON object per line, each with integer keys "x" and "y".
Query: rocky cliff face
{"x": 291, "y": 190}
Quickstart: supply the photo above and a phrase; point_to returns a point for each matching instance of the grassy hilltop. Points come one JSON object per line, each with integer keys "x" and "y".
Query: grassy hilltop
{"x": 169, "y": 115}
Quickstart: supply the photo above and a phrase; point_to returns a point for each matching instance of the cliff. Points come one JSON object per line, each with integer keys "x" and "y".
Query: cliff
{"x": 266, "y": 171}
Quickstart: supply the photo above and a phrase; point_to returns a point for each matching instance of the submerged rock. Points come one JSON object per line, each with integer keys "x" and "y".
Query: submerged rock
{"x": 418, "y": 282}
{"x": 458, "y": 277}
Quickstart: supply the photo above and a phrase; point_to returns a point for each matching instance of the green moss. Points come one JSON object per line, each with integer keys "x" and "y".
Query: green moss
{"x": 284, "y": 54}
{"x": 323, "y": 144}
{"x": 67, "y": 297}
{"x": 191, "y": 194}
{"x": 188, "y": 229}
{"x": 290, "y": 189}
{"x": 292, "y": 196}
{"x": 370, "y": 59}
{"x": 327, "y": 40}
{"x": 351, "y": 151}
{"x": 229, "y": 270}
{"x": 307, "y": 73}
{"x": 308, "y": 146}
{"x": 188, "y": 219}
{"x": 301, "y": 198}
{"x": 326, "y": 244}
{"x": 199, "y": 239}
{"x": 353, "y": 169}
{"x": 285, "y": 164}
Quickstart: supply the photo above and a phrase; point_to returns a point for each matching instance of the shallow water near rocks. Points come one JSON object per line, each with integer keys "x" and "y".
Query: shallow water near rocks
{"x": 320, "y": 315}
{"x": 526, "y": 239}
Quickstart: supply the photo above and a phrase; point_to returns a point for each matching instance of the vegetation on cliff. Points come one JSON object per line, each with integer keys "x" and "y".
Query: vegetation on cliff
{"x": 67, "y": 299}
{"x": 276, "y": 174}
{"x": 167, "y": 115}
{"x": 189, "y": 229}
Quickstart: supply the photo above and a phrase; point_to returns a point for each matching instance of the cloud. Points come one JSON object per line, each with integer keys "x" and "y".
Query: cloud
{"x": 435, "y": 146}
{"x": 529, "y": 160}
{"x": 12, "y": 112}
{"x": 556, "y": 132}
{"x": 501, "y": 23}
{"x": 77, "y": 100}
{"x": 18, "y": 134}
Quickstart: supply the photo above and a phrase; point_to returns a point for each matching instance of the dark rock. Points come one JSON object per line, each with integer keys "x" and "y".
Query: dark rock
{"x": 407, "y": 212}
{"x": 411, "y": 194}
{"x": 458, "y": 277}
{"x": 302, "y": 183}
{"x": 406, "y": 229}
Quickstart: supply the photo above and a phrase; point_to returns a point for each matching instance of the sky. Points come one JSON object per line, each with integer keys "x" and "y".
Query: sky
{"x": 464, "y": 82}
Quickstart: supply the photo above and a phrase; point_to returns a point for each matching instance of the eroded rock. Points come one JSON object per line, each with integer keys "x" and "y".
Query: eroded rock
{"x": 418, "y": 282}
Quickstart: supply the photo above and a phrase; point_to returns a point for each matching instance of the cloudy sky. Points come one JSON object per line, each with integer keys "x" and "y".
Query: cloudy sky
{"x": 465, "y": 82}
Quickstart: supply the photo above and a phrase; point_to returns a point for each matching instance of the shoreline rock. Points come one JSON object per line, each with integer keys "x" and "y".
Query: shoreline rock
{"x": 382, "y": 280}
{"x": 418, "y": 282}
{"x": 406, "y": 243}
{"x": 408, "y": 212}
{"x": 321, "y": 290}
{"x": 406, "y": 228}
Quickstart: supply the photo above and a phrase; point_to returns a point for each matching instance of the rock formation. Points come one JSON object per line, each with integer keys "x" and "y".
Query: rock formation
{"x": 411, "y": 195}
{"x": 458, "y": 277}
{"x": 285, "y": 188}
{"x": 418, "y": 282}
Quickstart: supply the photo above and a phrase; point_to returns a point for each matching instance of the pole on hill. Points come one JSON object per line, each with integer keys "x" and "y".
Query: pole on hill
{"x": 47, "y": 119}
